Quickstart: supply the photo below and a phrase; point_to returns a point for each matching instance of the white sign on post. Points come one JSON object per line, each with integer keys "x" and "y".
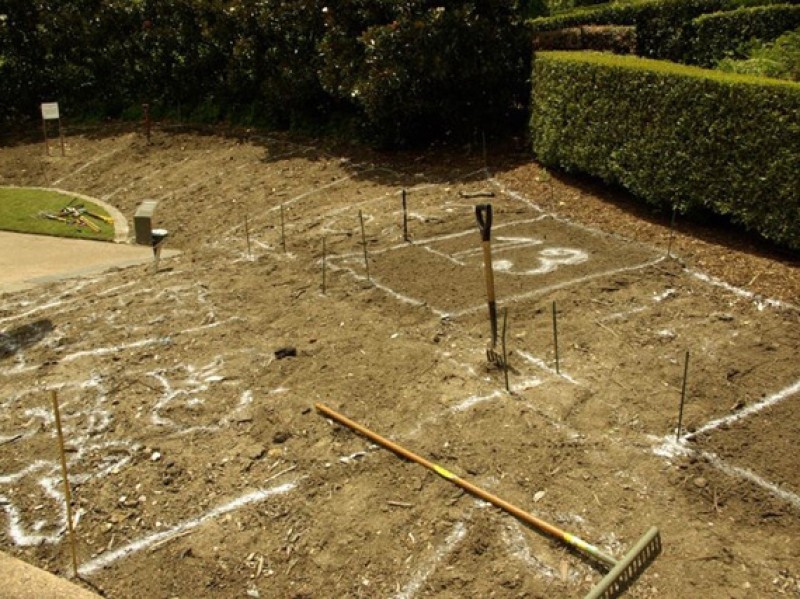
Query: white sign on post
{"x": 50, "y": 111}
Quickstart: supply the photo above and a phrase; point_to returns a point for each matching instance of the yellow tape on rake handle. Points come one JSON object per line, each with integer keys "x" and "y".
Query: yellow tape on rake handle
{"x": 553, "y": 531}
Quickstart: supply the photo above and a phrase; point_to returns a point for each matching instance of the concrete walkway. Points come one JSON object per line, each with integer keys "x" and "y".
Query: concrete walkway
{"x": 23, "y": 581}
{"x": 30, "y": 260}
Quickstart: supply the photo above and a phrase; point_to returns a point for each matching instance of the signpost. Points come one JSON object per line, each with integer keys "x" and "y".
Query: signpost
{"x": 50, "y": 112}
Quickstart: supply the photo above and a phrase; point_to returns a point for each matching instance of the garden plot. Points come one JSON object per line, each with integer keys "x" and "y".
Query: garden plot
{"x": 199, "y": 467}
{"x": 530, "y": 259}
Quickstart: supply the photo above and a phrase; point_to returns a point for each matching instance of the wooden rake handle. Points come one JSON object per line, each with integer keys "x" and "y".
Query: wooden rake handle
{"x": 530, "y": 519}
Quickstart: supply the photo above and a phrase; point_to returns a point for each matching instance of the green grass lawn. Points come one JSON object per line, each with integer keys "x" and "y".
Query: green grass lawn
{"x": 21, "y": 209}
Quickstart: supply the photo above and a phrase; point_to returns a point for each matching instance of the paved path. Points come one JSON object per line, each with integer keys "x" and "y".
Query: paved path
{"x": 29, "y": 260}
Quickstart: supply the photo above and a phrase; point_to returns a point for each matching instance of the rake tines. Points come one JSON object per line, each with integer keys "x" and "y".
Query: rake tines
{"x": 629, "y": 568}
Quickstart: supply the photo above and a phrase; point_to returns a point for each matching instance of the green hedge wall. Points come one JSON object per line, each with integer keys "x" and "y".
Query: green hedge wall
{"x": 663, "y": 27}
{"x": 724, "y": 34}
{"x": 674, "y": 135}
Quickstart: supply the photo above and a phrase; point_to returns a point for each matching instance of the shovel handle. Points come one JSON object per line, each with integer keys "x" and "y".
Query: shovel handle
{"x": 483, "y": 214}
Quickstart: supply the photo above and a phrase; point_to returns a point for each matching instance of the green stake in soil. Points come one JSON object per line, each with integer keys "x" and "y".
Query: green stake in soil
{"x": 671, "y": 231}
{"x": 405, "y": 217}
{"x": 364, "y": 243}
{"x": 555, "y": 337}
{"x": 683, "y": 396}
{"x": 247, "y": 235}
{"x": 505, "y": 355}
{"x": 324, "y": 259}
{"x": 283, "y": 231}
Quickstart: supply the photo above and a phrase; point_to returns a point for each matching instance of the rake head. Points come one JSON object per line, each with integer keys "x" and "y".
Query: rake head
{"x": 629, "y": 568}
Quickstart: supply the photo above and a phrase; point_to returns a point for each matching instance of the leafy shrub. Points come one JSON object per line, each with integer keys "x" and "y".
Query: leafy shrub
{"x": 420, "y": 68}
{"x": 674, "y": 135}
{"x": 404, "y": 70}
{"x": 780, "y": 59}
{"x": 727, "y": 34}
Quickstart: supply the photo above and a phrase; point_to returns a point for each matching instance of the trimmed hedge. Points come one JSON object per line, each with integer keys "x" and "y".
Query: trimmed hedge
{"x": 674, "y": 135}
{"x": 663, "y": 27}
{"x": 725, "y": 34}
{"x": 619, "y": 39}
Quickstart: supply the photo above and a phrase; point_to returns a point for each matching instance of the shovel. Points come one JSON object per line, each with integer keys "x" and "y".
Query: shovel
{"x": 483, "y": 214}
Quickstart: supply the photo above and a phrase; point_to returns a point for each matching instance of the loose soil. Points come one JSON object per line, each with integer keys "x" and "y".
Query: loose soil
{"x": 201, "y": 469}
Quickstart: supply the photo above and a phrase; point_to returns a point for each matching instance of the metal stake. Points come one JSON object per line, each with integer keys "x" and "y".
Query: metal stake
{"x": 364, "y": 242}
{"x": 405, "y": 217}
{"x": 247, "y": 235}
{"x": 671, "y": 232}
{"x": 505, "y": 355}
{"x": 555, "y": 337}
{"x": 283, "y": 231}
{"x": 324, "y": 260}
{"x": 683, "y": 396}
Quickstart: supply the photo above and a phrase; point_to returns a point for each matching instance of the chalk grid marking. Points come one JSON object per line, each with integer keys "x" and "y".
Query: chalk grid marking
{"x": 457, "y": 536}
{"x": 669, "y": 447}
{"x": 549, "y": 262}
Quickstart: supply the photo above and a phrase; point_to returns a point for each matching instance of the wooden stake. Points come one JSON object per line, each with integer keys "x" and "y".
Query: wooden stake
{"x": 61, "y": 138}
{"x": 67, "y": 494}
{"x": 555, "y": 337}
{"x": 405, "y": 217}
{"x": 283, "y": 231}
{"x": 247, "y": 235}
{"x": 146, "y": 108}
{"x": 364, "y": 242}
{"x": 683, "y": 396}
{"x": 324, "y": 261}
{"x": 46, "y": 140}
{"x": 505, "y": 355}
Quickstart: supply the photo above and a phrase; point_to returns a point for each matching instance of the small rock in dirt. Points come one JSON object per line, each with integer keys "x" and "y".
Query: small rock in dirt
{"x": 723, "y": 316}
{"x": 538, "y": 495}
{"x": 700, "y": 482}
{"x": 285, "y": 352}
{"x": 256, "y": 452}
{"x": 275, "y": 452}
{"x": 281, "y": 437}
{"x": 155, "y": 456}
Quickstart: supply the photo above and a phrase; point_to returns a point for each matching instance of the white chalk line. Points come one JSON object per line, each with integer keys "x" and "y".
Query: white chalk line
{"x": 667, "y": 447}
{"x": 410, "y": 589}
{"x": 519, "y": 548}
{"x": 147, "y": 177}
{"x": 758, "y": 301}
{"x": 558, "y": 286}
{"x": 543, "y": 365}
{"x": 87, "y": 165}
{"x": 106, "y": 559}
{"x": 767, "y": 402}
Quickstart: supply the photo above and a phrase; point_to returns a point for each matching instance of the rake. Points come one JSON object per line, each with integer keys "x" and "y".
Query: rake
{"x": 622, "y": 573}
{"x": 483, "y": 214}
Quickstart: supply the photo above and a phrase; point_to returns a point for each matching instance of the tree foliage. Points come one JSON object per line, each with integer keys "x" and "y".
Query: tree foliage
{"x": 404, "y": 69}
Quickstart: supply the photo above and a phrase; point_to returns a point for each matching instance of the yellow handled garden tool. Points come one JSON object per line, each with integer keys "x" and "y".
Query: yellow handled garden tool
{"x": 622, "y": 573}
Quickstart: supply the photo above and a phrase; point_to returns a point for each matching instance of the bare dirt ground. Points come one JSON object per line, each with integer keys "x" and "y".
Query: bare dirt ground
{"x": 201, "y": 469}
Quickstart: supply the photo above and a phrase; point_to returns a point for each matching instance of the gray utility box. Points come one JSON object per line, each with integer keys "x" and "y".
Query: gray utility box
{"x": 143, "y": 225}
